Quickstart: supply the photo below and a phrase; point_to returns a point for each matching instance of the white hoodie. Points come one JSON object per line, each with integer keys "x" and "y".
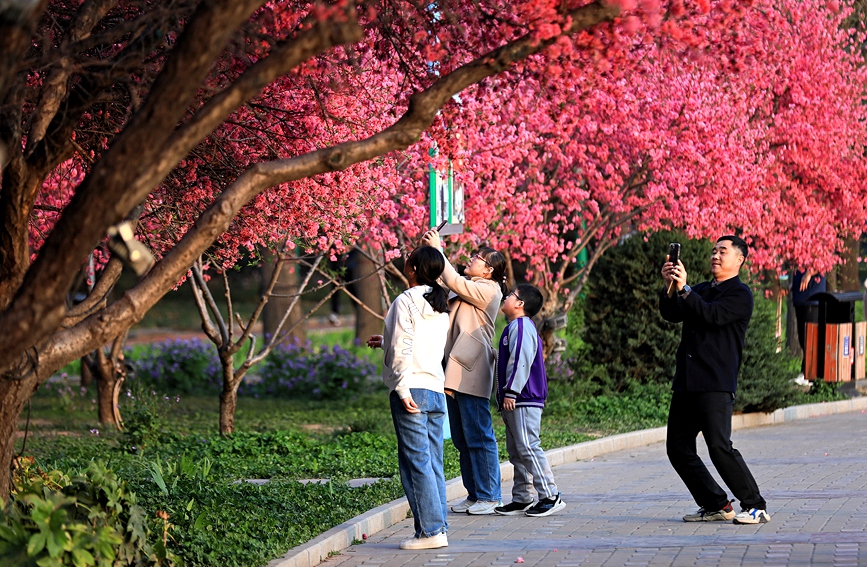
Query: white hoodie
{"x": 414, "y": 341}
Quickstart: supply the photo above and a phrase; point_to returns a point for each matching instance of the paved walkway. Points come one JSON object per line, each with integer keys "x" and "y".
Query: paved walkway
{"x": 625, "y": 508}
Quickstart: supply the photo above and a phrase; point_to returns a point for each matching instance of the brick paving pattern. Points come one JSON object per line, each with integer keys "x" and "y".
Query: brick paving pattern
{"x": 625, "y": 508}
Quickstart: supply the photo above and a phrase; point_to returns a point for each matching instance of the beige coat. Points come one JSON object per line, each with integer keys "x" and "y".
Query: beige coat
{"x": 470, "y": 358}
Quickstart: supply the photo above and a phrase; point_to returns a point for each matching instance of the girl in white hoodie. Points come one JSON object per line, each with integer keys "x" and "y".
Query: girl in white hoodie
{"x": 414, "y": 340}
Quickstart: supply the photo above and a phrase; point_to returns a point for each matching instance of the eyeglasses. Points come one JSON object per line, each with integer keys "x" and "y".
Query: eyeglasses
{"x": 515, "y": 293}
{"x": 474, "y": 256}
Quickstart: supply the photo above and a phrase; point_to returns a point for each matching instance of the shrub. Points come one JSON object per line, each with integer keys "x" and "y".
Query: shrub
{"x": 766, "y": 379}
{"x": 821, "y": 391}
{"x": 293, "y": 370}
{"x": 638, "y": 406}
{"x": 188, "y": 366}
{"x": 89, "y": 519}
{"x": 626, "y": 339}
{"x": 144, "y": 412}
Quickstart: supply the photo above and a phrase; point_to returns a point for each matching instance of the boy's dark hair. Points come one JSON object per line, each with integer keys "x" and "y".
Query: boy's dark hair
{"x": 737, "y": 242}
{"x": 497, "y": 262}
{"x": 532, "y": 298}
{"x": 428, "y": 263}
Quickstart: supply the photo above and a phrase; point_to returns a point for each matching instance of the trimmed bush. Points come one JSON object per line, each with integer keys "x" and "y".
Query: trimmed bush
{"x": 765, "y": 382}
{"x": 625, "y": 338}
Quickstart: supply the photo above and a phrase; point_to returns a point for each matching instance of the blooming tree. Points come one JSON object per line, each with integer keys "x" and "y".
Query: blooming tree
{"x": 757, "y": 132}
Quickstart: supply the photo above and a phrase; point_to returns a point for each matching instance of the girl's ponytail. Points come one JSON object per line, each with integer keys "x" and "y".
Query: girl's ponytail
{"x": 428, "y": 263}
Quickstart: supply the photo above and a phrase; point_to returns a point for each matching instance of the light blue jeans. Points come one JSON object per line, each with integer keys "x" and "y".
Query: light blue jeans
{"x": 473, "y": 436}
{"x": 420, "y": 459}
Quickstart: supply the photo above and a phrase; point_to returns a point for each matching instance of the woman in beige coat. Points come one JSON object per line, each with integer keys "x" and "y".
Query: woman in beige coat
{"x": 470, "y": 364}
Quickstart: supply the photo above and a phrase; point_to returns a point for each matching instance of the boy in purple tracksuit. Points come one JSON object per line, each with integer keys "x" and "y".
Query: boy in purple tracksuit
{"x": 522, "y": 388}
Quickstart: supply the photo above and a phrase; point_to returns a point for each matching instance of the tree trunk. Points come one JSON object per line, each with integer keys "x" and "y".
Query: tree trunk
{"x": 287, "y": 286}
{"x": 86, "y": 375}
{"x": 368, "y": 291}
{"x": 847, "y": 274}
{"x": 106, "y": 380}
{"x": 229, "y": 395}
{"x": 13, "y": 395}
{"x": 549, "y": 309}
{"x": 228, "y": 402}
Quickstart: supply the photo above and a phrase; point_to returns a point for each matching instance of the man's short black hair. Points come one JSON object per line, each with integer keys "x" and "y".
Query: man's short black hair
{"x": 737, "y": 242}
{"x": 532, "y": 298}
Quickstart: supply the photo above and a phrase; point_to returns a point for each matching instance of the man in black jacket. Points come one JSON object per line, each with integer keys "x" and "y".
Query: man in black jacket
{"x": 715, "y": 316}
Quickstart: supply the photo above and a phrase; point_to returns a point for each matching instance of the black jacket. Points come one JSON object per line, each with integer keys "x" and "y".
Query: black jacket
{"x": 715, "y": 320}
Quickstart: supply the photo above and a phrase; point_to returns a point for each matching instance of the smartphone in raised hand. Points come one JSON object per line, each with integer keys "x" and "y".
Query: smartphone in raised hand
{"x": 442, "y": 224}
{"x": 673, "y": 257}
{"x": 674, "y": 252}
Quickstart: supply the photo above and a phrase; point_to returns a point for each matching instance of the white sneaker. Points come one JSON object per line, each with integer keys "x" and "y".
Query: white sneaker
{"x": 482, "y": 508}
{"x": 463, "y": 506}
{"x": 753, "y": 516}
{"x": 432, "y": 542}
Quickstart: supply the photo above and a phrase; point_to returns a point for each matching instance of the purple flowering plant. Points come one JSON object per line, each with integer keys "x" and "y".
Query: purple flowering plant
{"x": 296, "y": 370}
{"x": 188, "y": 366}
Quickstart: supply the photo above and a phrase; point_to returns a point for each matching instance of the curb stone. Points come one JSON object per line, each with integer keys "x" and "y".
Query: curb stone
{"x": 341, "y": 537}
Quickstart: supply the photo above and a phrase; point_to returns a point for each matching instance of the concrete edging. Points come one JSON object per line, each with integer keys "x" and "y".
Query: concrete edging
{"x": 340, "y": 537}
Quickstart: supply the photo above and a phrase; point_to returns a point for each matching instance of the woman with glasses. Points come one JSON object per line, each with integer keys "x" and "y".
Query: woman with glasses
{"x": 469, "y": 365}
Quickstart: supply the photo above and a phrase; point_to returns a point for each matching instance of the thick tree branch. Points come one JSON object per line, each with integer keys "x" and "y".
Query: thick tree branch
{"x": 264, "y": 298}
{"x": 97, "y": 297}
{"x": 200, "y": 284}
{"x": 316, "y": 38}
{"x": 279, "y": 334}
{"x": 207, "y": 323}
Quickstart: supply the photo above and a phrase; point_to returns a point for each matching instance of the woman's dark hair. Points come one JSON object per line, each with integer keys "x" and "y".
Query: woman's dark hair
{"x": 428, "y": 263}
{"x": 496, "y": 261}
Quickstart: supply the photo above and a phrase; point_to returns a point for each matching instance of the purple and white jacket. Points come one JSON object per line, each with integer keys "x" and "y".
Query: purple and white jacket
{"x": 521, "y": 366}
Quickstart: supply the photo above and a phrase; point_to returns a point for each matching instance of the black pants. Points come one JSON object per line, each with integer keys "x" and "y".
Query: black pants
{"x": 711, "y": 414}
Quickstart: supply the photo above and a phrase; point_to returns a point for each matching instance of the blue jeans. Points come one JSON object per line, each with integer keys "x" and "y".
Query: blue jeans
{"x": 473, "y": 436}
{"x": 420, "y": 459}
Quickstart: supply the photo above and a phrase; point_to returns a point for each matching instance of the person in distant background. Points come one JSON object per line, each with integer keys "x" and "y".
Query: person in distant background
{"x": 804, "y": 284}
{"x": 865, "y": 299}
